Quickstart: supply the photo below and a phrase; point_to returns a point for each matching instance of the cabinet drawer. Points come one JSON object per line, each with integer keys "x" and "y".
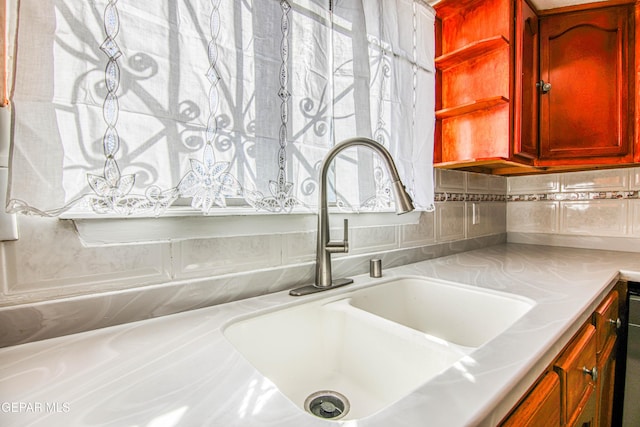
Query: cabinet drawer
{"x": 606, "y": 319}
{"x": 576, "y": 368}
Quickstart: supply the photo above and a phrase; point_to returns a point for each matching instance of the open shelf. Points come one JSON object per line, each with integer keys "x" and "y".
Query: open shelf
{"x": 481, "y": 104}
{"x": 471, "y": 51}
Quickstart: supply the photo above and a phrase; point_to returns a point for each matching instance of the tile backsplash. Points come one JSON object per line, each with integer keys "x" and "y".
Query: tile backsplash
{"x": 52, "y": 285}
{"x": 563, "y": 207}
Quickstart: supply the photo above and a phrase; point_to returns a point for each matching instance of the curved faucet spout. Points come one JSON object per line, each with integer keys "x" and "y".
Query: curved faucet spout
{"x": 404, "y": 203}
{"x": 324, "y": 246}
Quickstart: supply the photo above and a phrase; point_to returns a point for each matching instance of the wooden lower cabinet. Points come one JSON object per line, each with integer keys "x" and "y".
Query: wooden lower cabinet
{"x": 587, "y": 415}
{"x": 607, "y": 322}
{"x": 578, "y": 373}
{"x": 541, "y": 407}
{"x": 605, "y": 384}
{"x": 577, "y": 388}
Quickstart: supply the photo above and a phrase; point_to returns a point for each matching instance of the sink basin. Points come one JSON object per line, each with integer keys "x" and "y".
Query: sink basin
{"x": 373, "y": 345}
{"x": 458, "y": 314}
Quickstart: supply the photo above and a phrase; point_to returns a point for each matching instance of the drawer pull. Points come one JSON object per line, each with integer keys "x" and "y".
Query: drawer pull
{"x": 593, "y": 372}
{"x": 617, "y": 323}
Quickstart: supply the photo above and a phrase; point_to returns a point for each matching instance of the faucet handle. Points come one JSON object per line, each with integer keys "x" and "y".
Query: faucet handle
{"x": 343, "y": 246}
{"x": 345, "y": 241}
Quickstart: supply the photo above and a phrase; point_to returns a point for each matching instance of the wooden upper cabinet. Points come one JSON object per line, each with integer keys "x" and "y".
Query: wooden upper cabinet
{"x": 473, "y": 88}
{"x": 525, "y": 126}
{"x": 465, "y": 22}
{"x": 493, "y": 56}
{"x": 586, "y": 116}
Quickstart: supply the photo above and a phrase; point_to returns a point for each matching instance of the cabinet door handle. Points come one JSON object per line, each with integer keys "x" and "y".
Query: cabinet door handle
{"x": 544, "y": 87}
{"x": 593, "y": 372}
{"x": 616, "y": 323}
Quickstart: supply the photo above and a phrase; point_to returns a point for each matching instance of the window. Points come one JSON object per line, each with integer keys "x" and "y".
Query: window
{"x": 213, "y": 106}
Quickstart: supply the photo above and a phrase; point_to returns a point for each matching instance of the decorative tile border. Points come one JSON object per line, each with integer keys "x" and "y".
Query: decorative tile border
{"x": 467, "y": 197}
{"x": 445, "y": 196}
{"x": 584, "y": 195}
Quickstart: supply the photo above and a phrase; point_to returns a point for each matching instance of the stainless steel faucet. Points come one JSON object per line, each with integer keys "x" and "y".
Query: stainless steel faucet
{"x": 325, "y": 247}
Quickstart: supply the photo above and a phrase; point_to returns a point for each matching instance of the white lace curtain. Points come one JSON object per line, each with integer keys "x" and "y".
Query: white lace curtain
{"x": 127, "y": 107}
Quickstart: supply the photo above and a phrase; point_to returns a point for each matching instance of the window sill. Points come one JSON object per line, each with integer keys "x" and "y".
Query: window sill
{"x": 119, "y": 231}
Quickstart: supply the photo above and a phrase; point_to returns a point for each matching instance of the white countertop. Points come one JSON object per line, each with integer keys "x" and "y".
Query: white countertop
{"x": 180, "y": 370}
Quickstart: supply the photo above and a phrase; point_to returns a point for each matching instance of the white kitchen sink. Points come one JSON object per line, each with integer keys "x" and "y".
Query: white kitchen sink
{"x": 373, "y": 345}
{"x": 459, "y": 314}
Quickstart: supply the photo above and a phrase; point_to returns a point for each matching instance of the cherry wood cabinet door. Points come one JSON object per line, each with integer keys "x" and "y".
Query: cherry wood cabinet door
{"x": 541, "y": 407}
{"x": 606, "y": 320}
{"x": 577, "y": 369}
{"x": 587, "y": 416}
{"x": 606, "y": 384}
{"x": 584, "y": 56}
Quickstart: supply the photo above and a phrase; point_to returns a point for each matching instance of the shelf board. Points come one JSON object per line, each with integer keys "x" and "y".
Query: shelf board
{"x": 470, "y": 51}
{"x": 481, "y": 104}
{"x": 505, "y": 167}
{"x": 492, "y": 166}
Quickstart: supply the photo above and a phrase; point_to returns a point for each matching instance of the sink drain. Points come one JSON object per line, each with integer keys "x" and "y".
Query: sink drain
{"x": 327, "y": 404}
